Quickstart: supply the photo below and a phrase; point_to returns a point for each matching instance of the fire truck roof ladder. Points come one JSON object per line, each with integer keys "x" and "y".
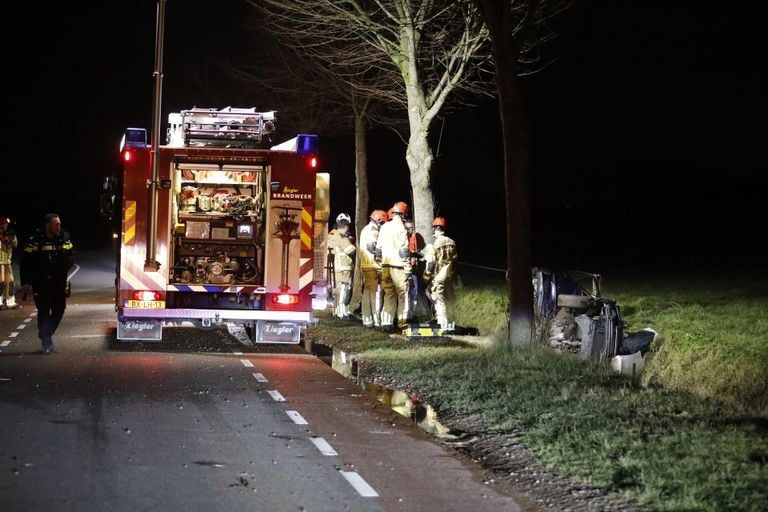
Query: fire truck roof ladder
{"x": 228, "y": 127}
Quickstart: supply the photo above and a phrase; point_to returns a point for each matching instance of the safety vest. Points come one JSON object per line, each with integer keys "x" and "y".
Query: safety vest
{"x": 46, "y": 260}
{"x": 445, "y": 255}
{"x": 393, "y": 240}
{"x": 368, "y": 236}
{"x": 7, "y": 243}
{"x": 342, "y": 250}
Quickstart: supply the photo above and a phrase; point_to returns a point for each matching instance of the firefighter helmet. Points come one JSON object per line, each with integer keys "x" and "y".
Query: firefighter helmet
{"x": 343, "y": 216}
{"x": 400, "y": 207}
{"x": 4, "y": 221}
{"x": 379, "y": 216}
{"x": 439, "y": 222}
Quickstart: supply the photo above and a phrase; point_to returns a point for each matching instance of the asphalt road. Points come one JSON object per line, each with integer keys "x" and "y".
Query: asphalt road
{"x": 202, "y": 422}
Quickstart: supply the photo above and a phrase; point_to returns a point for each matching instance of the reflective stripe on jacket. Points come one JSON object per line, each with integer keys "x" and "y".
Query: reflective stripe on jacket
{"x": 46, "y": 260}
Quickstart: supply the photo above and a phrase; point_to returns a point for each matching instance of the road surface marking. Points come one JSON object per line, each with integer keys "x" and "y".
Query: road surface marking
{"x": 236, "y": 353}
{"x": 21, "y": 326}
{"x": 296, "y": 417}
{"x": 247, "y": 363}
{"x": 323, "y": 446}
{"x": 259, "y": 377}
{"x": 360, "y": 485}
{"x": 13, "y": 335}
{"x": 5, "y": 343}
{"x": 276, "y": 396}
{"x": 28, "y": 319}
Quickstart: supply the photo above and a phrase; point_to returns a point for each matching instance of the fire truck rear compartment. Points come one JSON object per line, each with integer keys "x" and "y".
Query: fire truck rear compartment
{"x": 218, "y": 216}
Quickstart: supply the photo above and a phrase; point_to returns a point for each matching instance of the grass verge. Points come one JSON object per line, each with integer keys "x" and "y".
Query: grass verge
{"x": 662, "y": 446}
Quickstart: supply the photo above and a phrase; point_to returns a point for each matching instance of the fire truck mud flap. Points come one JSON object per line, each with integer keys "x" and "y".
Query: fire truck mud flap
{"x": 139, "y": 329}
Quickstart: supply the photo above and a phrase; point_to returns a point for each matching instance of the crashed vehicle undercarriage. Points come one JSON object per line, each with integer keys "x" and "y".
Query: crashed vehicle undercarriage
{"x": 572, "y": 319}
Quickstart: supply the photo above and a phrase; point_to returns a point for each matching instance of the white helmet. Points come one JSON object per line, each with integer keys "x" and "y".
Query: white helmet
{"x": 343, "y": 216}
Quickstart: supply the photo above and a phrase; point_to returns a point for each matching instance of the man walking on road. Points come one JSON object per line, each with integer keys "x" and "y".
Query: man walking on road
{"x": 45, "y": 264}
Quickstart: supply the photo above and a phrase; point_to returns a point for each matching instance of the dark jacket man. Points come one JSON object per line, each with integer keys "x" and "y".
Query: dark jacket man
{"x": 45, "y": 264}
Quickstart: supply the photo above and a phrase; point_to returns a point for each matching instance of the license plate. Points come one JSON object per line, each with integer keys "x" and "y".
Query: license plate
{"x": 146, "y": 304}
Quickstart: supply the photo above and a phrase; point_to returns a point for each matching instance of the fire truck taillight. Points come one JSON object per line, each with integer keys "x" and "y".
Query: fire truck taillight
{"x": 146, "y": 295}
{"x": 313, "y": 162}
{"x": 128, "y": 155}
{"x": 285, "y": 299}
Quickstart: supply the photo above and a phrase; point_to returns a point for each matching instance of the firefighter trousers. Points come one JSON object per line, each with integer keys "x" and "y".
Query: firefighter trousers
{"x": 50, "y": 306}
{"x": 8, "y": 298}
{"x": 342, "y": 293}
{"x": 370, "y": 306}
{"x": 444, "y": 301}
{"x": 393, "y": 282}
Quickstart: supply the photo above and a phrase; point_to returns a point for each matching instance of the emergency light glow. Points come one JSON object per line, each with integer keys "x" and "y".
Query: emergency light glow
{"x": 313, "y": 162}
{"x": 127, "y": 155}
{"x": 146, "y": 295}
{"x": 285, "y": 299}
{"x": 306, "y": 144}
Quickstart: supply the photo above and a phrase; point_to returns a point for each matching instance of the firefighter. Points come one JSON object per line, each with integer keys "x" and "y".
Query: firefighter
{"x": 342, "y": 247}
{"x": 8, "y": 242}
{"x": 45, "y": 264}
{"x": 395, "y": 268}
{"x": 371, "y": 268}
{"x": 441, "y": 258}
{"x": 419, "y": 307}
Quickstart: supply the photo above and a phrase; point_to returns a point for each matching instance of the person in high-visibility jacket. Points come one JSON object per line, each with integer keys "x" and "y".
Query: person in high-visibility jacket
{"x": 395, "y": 268}
{"x": 371, "y": 268}
{"x": 45, "y": 265}
{"x": 441, "y": 259}
{"x": 8, "y": 242}
{"x": 342, "y": 247}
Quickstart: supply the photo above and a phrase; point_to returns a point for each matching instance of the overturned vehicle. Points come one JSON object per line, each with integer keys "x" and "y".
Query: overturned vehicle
{"x": 573, "y": 319}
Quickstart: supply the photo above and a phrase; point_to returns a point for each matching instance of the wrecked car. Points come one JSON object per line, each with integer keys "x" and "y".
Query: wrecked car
{"x": 577, "y": 319}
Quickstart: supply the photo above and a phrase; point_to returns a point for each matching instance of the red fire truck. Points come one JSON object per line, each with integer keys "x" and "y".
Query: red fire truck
{"x": 234, "y": 234}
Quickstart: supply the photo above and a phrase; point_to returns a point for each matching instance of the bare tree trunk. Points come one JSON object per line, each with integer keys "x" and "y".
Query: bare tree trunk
{"x": 361, "y": 197}
{"x": 514, "y": 125}
{"x": 516, "y": 180}
{"x": 419, "y": 157}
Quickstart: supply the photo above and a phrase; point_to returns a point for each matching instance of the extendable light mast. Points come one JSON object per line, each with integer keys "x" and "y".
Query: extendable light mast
{"x": 152, "y": 183}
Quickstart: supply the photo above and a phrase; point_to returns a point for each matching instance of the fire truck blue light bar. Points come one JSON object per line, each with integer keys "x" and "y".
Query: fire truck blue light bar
{"x": 136, "y": 137}
{"x": 306, "y": 144}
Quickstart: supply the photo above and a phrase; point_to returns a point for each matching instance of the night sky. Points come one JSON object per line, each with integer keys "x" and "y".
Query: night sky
{"x": 647, "y": 130}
